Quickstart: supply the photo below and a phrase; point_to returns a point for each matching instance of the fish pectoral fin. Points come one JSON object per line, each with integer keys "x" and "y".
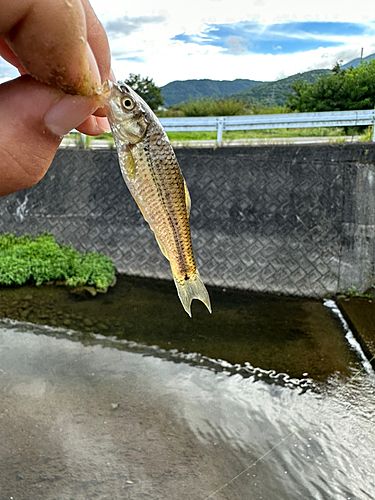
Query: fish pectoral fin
{"x": 192, "y": 288}
{"x": 128, "y": 164}
{"x": 162, "y": 247}
{"x": 187, "y": 198}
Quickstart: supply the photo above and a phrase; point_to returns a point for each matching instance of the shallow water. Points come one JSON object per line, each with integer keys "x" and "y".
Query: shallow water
{"x": 264, "y": 399}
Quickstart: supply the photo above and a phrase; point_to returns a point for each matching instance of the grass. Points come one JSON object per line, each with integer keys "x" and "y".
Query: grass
{"x": 87, "y": 139}
{"x": 39, "y": 260}
{"x": 257, "y": 134}
{"x": 365, "y": 134}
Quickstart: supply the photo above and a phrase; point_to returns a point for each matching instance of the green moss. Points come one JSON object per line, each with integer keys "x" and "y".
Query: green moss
{"x": 40, "y": 259}
{"x": 352, "y": 292}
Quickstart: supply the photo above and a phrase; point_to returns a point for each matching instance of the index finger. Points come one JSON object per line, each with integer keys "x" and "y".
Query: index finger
{"x": 50, "y": 39}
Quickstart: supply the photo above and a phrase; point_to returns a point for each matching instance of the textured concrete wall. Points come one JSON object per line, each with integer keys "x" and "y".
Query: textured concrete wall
{"x": 290, "y": 219}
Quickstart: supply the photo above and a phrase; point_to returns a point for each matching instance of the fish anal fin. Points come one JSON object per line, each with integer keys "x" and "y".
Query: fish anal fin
{"x": 190, "y": 289}
{"x": 187, "y": 198}
{"x": 162, "y": 247}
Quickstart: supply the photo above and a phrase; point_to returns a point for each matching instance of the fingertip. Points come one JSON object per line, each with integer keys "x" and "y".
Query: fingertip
{"x": 94, "y": 125}
{"x": 25, "y": 102}
{"x": 68, "y": 113}
{"x": 103, "y": 124}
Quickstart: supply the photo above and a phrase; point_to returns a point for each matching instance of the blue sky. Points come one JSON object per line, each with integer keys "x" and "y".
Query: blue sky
{"x": 227, "y": 39}
{"x": 221, "y": 39}
{"x": 283, "y": 38}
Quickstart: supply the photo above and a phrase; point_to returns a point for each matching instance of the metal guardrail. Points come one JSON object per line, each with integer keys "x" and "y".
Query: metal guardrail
{"x": 262, "y": 122}
{"x": 221, "y": 124}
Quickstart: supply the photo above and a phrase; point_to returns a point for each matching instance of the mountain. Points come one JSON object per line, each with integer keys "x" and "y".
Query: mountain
{"x": 272, "y": 93}
{"x": 276, "y": 93}
{"x": 355, "y": 62}
{"x": 189, "y": 90}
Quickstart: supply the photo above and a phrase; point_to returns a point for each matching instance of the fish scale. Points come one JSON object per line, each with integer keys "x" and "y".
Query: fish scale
{"x": 151, "y": 171}
{"x": 167, "y": 207}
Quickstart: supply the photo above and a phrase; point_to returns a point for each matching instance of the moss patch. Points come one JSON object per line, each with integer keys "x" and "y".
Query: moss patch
{"x": 39, "y": 260}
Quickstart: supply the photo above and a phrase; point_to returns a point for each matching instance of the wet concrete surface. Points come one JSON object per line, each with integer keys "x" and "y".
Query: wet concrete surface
{"x": 360, "y": 314}
{"x": 156, "y": 407}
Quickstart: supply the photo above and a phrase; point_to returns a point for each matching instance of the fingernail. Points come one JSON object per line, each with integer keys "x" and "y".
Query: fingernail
{"x": 68, "y": 113}
{"x": 93, "y": 67}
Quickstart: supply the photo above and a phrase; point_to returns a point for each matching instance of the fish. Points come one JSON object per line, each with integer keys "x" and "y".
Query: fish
{"x": 153, "y": 176}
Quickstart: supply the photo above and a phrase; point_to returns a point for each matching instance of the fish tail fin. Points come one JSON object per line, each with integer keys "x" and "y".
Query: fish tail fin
{"x": 192, "y": 288}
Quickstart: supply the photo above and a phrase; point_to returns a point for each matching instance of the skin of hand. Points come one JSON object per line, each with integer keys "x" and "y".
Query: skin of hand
{"x": 62, "y": 53}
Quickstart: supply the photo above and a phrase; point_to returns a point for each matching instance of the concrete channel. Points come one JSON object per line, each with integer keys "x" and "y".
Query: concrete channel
{"x": 294, "y": 219}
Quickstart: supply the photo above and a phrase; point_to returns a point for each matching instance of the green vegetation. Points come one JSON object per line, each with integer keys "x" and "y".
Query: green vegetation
{"x": 147, "y": 89}
{"x": 192, "y": 90}
{"x": 358, "y": 60}
{"x": 367, "y": 134}
{"x": 233, "y": 135}
{"x": 352, "y": 292}
{"x": 40, "y": 259}
{"x": 257, "y": 134}
{"x": 209, "y": 107}
{"x": 106, "y": 136}
{"x": 343, "y": 89}
{"x": 219, "y": 107}
{"x": 277, "y": 93}
{"x": 250, "y": 91}
{"x": 86, "y": 141}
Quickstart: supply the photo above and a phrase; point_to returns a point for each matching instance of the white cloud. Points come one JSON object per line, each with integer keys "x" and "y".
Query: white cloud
{"x": 165, "y": 60}
{"x": 126, "y": 25}
{"x": 180, "y": 61}
{"x": 148, "y": 48}
{"x": 193, "y": 14}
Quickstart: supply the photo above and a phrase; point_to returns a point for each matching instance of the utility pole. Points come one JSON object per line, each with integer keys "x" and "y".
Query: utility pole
{"x": 361, "y": 53}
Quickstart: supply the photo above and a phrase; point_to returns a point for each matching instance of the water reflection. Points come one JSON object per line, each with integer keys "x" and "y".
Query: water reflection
{"x": 279, "y": 335}
{"x": 93, "y": 421}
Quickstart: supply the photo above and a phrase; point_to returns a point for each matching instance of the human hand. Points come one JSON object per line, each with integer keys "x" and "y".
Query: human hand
{"x": 64, "y": 48}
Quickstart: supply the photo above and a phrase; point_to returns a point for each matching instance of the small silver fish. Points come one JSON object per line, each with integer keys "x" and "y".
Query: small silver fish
{"x": 150, "y": 169}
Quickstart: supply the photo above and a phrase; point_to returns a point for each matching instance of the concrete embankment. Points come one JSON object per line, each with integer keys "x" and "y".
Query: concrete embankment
{"x": 291, "y": 219}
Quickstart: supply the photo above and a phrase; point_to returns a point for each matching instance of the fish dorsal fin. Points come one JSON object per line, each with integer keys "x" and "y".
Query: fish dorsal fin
{"x": 187, "y": 198}
{"x": 162, "y": 247}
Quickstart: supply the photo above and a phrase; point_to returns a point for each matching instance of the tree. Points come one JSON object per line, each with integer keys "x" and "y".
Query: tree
{"x": 344, "y": 89}
{"x": 337, "y": 67}
{"x": 147, "y": 89}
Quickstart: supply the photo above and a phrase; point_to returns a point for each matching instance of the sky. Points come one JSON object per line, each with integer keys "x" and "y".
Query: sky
{"x": 227, "y": 39}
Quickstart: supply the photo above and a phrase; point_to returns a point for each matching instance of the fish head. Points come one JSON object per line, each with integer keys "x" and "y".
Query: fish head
{"x": 127, "y": 113}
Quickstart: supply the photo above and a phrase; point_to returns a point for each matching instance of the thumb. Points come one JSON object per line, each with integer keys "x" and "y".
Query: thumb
{"x": 34, "y": 117}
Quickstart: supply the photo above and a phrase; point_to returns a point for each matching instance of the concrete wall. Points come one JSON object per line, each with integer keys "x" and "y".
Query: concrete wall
{"x": 290, "y": 219}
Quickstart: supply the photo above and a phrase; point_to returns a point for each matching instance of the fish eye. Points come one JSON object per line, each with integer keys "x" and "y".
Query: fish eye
{"x": 128, "y": 103}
